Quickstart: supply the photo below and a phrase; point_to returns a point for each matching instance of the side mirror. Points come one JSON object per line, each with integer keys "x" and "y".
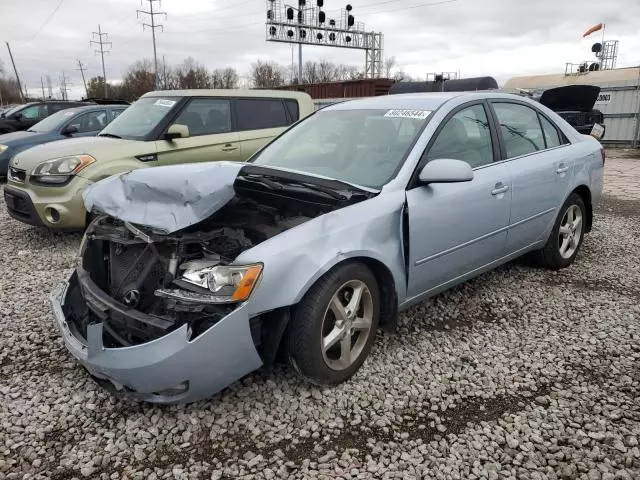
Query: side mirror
{"x": 176, "y": 131}
{"x": 17, "y": 116}
{"x": 69, "y": 130}
{"x": 446, "y": 170}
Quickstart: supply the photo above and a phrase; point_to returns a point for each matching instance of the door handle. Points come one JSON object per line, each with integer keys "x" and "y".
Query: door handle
{"x": 562, "y": 168}
{"x": 229, "y": 148}
{"x": 499, "y": 189}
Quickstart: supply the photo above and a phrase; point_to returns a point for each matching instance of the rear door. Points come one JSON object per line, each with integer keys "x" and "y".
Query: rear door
{"x": 259, "y": 120}
{"x": 456, "y": 229}
{"x": 539, "y": 164}
{"x": 211, "y": 135}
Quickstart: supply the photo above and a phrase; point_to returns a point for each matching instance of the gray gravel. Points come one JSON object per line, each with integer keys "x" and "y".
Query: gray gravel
{"x": 521, "y": 373}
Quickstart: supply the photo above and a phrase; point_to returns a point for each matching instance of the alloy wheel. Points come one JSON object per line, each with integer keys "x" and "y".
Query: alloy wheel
{"x": 570, "y": 232}
{"x": 347, "y": 325}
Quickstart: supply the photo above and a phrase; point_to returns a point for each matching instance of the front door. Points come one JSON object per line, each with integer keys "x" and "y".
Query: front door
{"x": 456, "y": 229}
{"x": 539, "y": 164}
{"x": 211, "y": 137}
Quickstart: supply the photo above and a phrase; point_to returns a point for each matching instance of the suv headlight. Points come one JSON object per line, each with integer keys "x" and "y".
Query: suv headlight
{"x": 59, "y": 170}
{"x": 3, "y": 148}
{"x": 228, "y": 283}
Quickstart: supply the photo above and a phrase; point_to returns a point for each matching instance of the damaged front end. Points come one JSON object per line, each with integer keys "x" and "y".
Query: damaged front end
{"x": 163, "y": 316}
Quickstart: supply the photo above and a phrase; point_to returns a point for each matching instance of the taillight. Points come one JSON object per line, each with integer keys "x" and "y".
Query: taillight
{"x": 603, "y": 155}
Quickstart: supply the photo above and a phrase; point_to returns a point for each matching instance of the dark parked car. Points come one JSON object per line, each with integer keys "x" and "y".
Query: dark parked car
{"x": 575, "y": 104}
{"x": 70, "y": 123}
{"x": 26, "y": 116}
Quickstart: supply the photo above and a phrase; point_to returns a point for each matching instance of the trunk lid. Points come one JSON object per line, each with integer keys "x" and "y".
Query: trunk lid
{"x": 570, "y": 98}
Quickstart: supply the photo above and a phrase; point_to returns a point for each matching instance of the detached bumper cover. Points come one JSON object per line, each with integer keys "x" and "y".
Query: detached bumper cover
{"x": 207, "y": 364}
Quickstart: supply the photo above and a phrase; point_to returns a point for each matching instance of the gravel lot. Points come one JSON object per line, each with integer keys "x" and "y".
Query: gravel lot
{"x": 521, "y": 373}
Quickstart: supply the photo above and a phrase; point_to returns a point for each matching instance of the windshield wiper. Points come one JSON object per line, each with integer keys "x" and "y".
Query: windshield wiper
{"x": 109, "y": 135}
{"x": 32, "y": 131}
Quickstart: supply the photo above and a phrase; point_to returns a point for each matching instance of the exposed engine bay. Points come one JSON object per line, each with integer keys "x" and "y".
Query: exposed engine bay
{"x": 152, "y": 283}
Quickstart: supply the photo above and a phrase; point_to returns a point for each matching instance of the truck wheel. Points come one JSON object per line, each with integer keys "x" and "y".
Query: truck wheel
{"x": 334, "y": 325}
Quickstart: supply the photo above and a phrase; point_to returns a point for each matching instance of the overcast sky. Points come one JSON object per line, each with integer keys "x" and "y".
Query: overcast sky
{"x": 501, "y": 38}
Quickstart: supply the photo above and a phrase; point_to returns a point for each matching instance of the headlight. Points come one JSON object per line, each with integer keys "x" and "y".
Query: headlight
{"x": 230, "y": 283}
{"x": 59, "y": 170}
{"x": 3, "y": 148}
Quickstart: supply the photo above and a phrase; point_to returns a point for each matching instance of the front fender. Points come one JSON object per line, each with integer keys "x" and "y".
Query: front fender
{"x": 104, "y": 169}
{"x": 296, "y": 259}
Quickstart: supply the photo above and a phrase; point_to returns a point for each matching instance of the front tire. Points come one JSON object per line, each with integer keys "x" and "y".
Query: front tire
{"x": 334, "y": 325}
{"x": 566, "y": 237}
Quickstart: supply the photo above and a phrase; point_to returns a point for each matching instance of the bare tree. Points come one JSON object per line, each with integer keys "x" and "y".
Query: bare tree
{"x": 266, "y": 74}
{"x": 389, "y": 63}
{"x": 138, "y": 80}
{"x": 224, "y": 78}
{"x": 191, "y": 74}
{"x": 9, "y": 90}
{"x": 401, "y": 76}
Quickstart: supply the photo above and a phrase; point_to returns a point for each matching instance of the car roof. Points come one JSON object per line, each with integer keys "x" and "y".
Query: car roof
{"x": 418, "y": 101}
{"x": 89, "y": 108}
{"x": 227, "y": 93}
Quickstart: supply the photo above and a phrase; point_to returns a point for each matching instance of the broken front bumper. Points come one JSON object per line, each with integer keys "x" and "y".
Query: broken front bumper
{"x": 170, "y": 369}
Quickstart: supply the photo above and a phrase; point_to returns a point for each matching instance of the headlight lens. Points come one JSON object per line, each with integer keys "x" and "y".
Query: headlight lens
{"x": 3, "y": 148}
{"x": 59, "y": 170}
{"x": 231, "y": 283}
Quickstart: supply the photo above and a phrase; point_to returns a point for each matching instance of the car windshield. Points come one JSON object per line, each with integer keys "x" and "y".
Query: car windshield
{"x": 53, "y": 122}
{"x": 362, "y": 147}
{"x": 141, "y": 118}
{"x": 14, "y": 109}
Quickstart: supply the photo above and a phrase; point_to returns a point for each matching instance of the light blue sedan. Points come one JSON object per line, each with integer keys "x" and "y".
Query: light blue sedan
{"x": 192, "y": 276}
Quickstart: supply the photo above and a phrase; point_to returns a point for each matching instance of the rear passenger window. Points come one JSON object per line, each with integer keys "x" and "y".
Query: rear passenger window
{"x": 466, "y": 136}
{"x": 520, "y": 129}
{"x": 294, "y": 109}
{"x": 257, "y": 114}
{"x": 551, "y": 135}
{"x": 206, "y": 116}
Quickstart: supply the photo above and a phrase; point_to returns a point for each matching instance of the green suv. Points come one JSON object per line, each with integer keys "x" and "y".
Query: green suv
{"x": 45, "y": 183}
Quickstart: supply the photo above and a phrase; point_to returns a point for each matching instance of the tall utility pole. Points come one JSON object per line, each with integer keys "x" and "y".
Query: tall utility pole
{"x": 63, "y": 86}
{"x": 82, "y": 69}
{"x": 42, "y": 85}
{"x": 153, "y": 25}
{"x": 101, "y": 39}
{"x": 15, "y": 70}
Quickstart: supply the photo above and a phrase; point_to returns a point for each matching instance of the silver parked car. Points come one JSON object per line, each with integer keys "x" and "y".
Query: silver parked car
{"x": 192, "y": 276}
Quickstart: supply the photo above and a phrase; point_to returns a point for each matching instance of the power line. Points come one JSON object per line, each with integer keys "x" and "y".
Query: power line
{"x": 47, "y": 20}
{"x": 152, "y": 16}
{"x": 82, "y": 69}
{"x": 420, "y": 5}
{"x": 101, "y": 42}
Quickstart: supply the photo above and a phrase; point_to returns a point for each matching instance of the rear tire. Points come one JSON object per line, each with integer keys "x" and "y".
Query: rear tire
{"x": 334, "y": 325}
{"x": 566, "y": 237}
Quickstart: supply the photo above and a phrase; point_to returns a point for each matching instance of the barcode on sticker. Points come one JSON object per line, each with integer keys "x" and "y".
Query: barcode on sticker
{"x": 165, "y": 103}
{"x": 418, "y": 114}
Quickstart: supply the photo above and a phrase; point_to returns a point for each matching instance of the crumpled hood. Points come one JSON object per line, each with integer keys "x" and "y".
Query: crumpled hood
{"x": 167, "y": 199}
{"x": 101, "y": 148}
{"x": 570, "y": 98}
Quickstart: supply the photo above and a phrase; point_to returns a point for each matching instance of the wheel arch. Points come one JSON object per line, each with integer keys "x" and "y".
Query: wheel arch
{"x": 585, "y": 194}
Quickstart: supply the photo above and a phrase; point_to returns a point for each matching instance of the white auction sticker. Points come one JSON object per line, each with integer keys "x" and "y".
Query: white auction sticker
{"x": 165, "y": 103}
{"x": 418, "y": 114}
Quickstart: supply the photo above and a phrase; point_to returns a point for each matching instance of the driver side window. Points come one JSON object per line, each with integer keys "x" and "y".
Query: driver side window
{"x": 90, "y": 122}
{"x": 466, "y": 136}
